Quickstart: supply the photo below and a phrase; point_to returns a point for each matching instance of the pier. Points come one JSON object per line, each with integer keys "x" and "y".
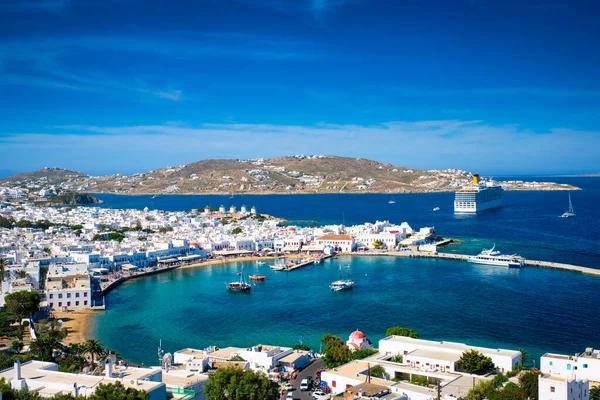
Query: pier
{"x": 463, "y": 257}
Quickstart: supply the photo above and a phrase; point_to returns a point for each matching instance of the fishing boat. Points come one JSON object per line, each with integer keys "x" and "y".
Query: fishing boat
{"x": 493, "y": 257}
{"x": 257, "y": 277}
{"x": 436, "y": 209}
{"x": 318, "y": 260}
{"x": 241, "y": 285}
{"x": 392, "y": 201}
{"x": 342, "y": 284}
{"x": 571, "y": 212}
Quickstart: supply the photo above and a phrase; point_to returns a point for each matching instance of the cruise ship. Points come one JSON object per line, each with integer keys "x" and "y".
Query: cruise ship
{"x": 478, "y": 196}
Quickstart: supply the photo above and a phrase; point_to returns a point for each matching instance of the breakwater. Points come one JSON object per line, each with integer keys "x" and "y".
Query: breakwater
{"x": 463, "y": 257}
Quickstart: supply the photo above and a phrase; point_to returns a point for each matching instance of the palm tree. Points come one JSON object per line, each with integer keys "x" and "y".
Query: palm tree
{"x": 108, "y": 352}
{"x": 595, "y": 393}
{"x": 94, "y": 348}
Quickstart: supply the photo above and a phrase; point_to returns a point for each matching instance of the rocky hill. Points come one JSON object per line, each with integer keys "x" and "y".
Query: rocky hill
{"x": 296, "y": 174}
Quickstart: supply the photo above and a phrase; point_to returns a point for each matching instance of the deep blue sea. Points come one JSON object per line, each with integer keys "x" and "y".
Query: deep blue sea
{"x": 536, "y": 309}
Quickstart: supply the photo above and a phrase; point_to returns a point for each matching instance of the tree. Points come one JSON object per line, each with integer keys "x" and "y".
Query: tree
{"x": 336, "y": 352}
{"x": 236, "y": 230}
{"x": 474, "y": 362}
{"x": 235, "y": 384}
{"x": 525, "y": 356}
{"x": 24, "y": 224}
{"x": 378, "y": 244}
{"x": 237, "y": 357}
{"x": 511, "y": 392}
{"x": 595, "y": 393}
{"x": 379, "y": 372}
{"x": 3, "y": 266}
{"x": 116, "y": 391}
{"x": 12, "y": 394}
{"x": 400, "y": 331}
{"x": 360, "y": 354}
{"x": 528, "y": 381}
{"x": 50, "y": 334}
{"x": 94, "y": 348}
{"x": 22, "y": 304}
{"x": 483, "y": 390}
{"x": 17, "y": 346}
{"x": 301, "y": 347}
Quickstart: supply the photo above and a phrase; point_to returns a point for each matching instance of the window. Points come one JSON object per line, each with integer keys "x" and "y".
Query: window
{"x": 569, "y": 367}
{"x": 550, "y": 363}
{"x": 68, "y": 304}
{"x": 76, "y": 303}
{"x": 332, "y": 383}
{"x": 552, "y": 390}
{"x": 584, "y": 365}
{"x": 85, "y": 302}
{"x": 51, "y": 305}
{"x": 68, "y": 295}
{"x": 60, "y": 303}
{"x": 85, "y": 294}
{"x": 60, "y": 295}
{"x": 77, "y": 294}
{"x": 51, "y": 296}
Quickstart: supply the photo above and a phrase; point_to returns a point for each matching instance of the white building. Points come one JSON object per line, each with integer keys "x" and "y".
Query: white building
{"x": 343, "y": 243}
{"x": 68, "y": 286}
{"x": 584, "y": 366}
{"x": 264, "y": 357}
{"x": 443, "y": 356}
{"x": 553, "y": 387}
{"x": 44, "y": 378}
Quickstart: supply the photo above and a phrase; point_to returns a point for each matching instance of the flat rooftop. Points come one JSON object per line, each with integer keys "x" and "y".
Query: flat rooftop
{"x": 434, "y": 355}
{"x": 225, "y": 353}
{"x": 451, "y": 346}
{"x": 40, "y": 374}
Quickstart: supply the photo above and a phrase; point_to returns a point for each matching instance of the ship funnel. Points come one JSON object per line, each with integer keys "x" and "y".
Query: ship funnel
{"x": 476, "y": 179}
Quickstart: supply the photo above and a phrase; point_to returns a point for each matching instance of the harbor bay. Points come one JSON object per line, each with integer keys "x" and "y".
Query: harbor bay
{"x": 534, "y": 308}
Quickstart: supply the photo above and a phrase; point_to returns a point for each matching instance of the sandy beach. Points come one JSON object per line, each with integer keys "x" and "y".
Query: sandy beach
{"x": 77, "y": 323}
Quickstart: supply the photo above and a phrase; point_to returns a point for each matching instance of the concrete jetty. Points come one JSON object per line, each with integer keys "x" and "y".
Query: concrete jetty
{"x": 463, "y": 257}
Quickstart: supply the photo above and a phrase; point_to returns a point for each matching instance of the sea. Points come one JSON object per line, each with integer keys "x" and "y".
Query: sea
{"x": 539, "y": 310}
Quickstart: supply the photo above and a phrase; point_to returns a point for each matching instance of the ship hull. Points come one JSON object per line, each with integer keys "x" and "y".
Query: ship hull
{"x": 497, "y": 263}
{"x": 476, "y": 207}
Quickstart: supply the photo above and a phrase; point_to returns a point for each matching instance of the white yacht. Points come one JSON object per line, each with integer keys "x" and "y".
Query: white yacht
{"x": 491, "y": 257}
{"x": 478, "y": 196}
{"x": 571, "y": 212}
{"x": 342, "y": 284}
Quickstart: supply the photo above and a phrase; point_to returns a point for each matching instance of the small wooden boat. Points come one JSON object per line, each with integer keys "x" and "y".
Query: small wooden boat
{"x": 257, "y": 277}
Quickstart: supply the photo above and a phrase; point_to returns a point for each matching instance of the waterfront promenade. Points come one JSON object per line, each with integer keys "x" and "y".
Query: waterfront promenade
{"x": 116, "y": 279}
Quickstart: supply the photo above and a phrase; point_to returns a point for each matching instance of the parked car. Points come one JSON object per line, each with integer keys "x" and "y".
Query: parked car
{"x": 287, "y": 387}
{"x": 318, "y": 394}
{"x": 290, "y": 396}
{"x": 304, "y": 385}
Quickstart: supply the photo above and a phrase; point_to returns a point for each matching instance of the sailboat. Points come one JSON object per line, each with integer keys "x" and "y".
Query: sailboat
{"x": 241, "y": 286}
{"x": 342, "y": 284}
{"x": 571, "y": 212}
{"x": 392, "y": 201}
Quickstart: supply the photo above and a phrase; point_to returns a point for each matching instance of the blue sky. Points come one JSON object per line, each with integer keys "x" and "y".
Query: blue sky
{"x": 107, "y": 86}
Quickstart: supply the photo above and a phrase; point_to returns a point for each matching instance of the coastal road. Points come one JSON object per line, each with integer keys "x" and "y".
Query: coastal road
{"x": 311, "y": 370}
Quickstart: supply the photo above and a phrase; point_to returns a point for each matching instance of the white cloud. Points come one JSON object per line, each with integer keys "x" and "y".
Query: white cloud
{"x": 470, "y": 144}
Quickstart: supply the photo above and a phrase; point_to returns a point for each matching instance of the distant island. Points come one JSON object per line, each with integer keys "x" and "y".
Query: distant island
{"x": 292, "y": 175}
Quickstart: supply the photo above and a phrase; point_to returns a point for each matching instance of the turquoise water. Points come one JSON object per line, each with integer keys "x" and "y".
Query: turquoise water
{"x": 534, "y": 308}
